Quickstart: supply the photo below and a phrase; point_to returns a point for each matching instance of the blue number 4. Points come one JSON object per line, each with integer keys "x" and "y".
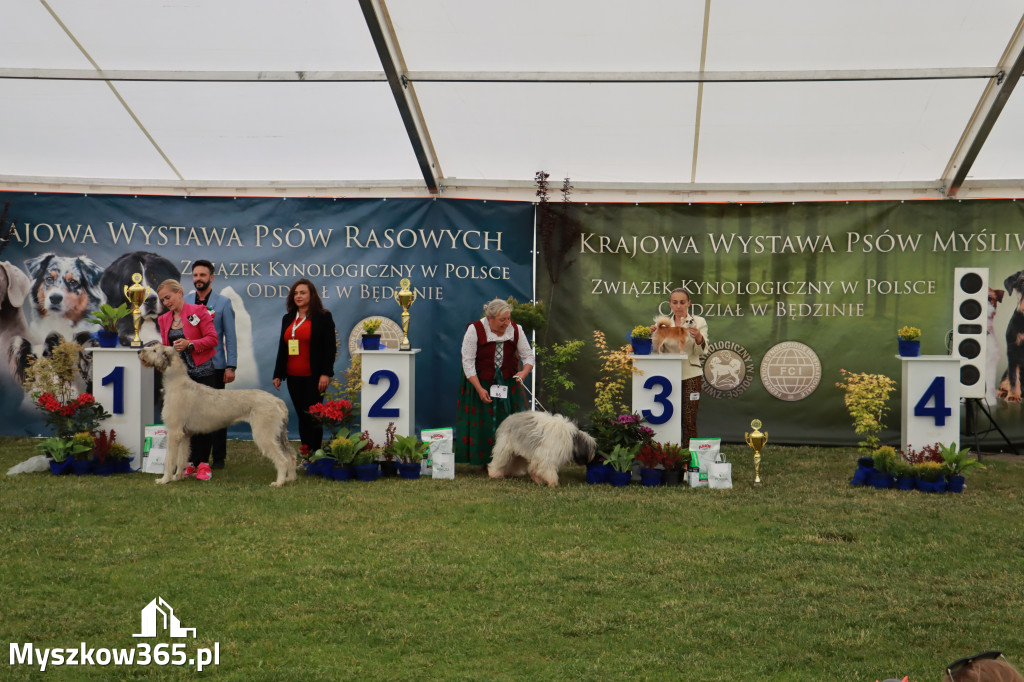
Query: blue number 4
{"x": 936, "y": 391}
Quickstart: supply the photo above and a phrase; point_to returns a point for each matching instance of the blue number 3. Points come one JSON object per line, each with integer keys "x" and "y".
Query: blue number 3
{"x": 661, "y": 398}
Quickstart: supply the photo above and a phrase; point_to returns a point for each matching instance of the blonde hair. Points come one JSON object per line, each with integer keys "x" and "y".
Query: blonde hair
{"x": 172, "y": 284}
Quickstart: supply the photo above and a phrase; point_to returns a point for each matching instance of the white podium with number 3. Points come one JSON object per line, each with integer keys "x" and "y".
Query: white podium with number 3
{"x": 657, "y": 394}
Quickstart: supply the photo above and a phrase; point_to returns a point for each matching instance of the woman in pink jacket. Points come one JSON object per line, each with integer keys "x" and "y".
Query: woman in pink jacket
{"x": 189, "y": 330}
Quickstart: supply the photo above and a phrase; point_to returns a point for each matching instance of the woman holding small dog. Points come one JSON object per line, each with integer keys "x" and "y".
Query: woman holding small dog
{"x": 492, "y": 350}
{"x": 189, "y": 330}
{"x": 306, "y": 349}
{"x": 695, "y": 346}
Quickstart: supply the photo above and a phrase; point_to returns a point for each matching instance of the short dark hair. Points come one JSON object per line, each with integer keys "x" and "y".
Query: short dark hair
{"x": 205, "y": 263}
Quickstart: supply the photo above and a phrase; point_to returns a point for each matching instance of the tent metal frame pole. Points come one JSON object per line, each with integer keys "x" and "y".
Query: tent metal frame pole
{"x": 384, "y": 39}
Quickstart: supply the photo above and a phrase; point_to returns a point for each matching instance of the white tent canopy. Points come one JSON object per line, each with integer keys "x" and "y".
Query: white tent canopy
{"x": 685, "y": 100}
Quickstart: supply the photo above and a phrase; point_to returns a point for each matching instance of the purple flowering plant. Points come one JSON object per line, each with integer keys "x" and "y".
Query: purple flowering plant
{"x": 627, "y": 430}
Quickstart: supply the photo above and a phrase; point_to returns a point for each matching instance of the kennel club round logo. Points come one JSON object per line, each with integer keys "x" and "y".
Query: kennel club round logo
{"x": 790, "y": 371}
{"x": 728, "y": 370}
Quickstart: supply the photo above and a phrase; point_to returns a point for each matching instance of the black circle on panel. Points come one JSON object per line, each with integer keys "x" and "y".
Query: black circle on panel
{"x": 969, "y": 375}
{"x": 969, "y": 348}
{"x": 970, "y": 283}
{"x": 970, "y": 309}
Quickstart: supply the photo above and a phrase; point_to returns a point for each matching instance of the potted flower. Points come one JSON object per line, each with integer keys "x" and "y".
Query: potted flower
{"x": 61, "y": 453}
{"x": 598, "y": 470}
{"x": 334, "y": 414}
{"x": 929, "y": 477}
{"x": 884, "y": 459}
{"x": 409, "y": 450}
{"x": 107, "y": 318}
{"x": 371, "y": 339}
{"x": 82, "y": 445}
{"x": 673, "y": 459}
{"x": 909, "y": 341}
{"x": 621, "y": 461}
{"x": 321, "y": 462}
{"x": 365, "y": 465}
{"x": 956, "y": 462}
{"x": 904, "y": 473}
{"x": 345, "y": 449}
{"x": 640, "y": 338}
{"x": 651, "y": 457}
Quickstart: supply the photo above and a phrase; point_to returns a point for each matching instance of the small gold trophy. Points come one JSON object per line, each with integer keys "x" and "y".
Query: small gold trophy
{"x": 405, "y": 298}
{"x": 136, "y": 295}
{"x": 756, "y": 440}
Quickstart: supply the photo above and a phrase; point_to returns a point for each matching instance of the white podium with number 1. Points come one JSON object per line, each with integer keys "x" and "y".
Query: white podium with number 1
{"x": 125, "y": 389}
{"x": 657, "y": 394}
{"x": 930, "y": 410}
{"x": 388, "y": 392}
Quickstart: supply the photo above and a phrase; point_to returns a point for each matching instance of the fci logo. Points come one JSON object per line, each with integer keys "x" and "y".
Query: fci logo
{"x": 159, "y": 612}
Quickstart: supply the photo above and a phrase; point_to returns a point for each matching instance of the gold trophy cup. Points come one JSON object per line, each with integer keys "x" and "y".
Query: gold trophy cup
{"x": 405, "y": 298}
{"x": 756, "y": 440}
{"x": 136, "y": 295}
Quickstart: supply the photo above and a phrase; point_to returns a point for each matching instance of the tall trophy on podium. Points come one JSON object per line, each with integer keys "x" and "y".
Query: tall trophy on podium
{"x": 405, "y": 298}
{"x": 136, "y": 295}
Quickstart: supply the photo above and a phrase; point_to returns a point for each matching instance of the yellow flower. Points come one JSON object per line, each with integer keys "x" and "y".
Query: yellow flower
{"x": 909, "y": 333}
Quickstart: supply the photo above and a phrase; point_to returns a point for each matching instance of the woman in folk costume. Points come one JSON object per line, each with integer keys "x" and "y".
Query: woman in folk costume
{"x": 492, "y": 351}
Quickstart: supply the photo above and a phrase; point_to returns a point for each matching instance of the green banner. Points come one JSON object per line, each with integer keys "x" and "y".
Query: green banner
{"x": 793, "y": 292}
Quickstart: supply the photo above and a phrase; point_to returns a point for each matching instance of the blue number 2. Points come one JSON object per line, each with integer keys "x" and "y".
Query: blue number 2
{"x": 939, "y": 411}
{"x": 116, "y": 377}
{"x": 378, "y": 409}
{"x": 661, "y": 398}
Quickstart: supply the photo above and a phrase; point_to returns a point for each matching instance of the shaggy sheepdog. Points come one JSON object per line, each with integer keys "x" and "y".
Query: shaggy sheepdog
{"x": 539, "y": 444}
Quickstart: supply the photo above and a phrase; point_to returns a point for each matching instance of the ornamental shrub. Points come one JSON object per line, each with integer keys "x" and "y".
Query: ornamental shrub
{"x": 865, "y": 396}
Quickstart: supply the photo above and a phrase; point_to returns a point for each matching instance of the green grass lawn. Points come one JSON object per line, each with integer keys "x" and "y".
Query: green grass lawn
{"x": 802, "y": 578}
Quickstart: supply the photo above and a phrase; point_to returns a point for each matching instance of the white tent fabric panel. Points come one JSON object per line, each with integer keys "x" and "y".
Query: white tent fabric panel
{"x": 72, "y": 129}
{"x": 874, "y": 34}
{"x": 831, "y": 132}
{"x": 267, "y": 131}
{"x": 539, "y": 35}
{"x": 600, "y": 132}
{"x": 1002, "y": 157}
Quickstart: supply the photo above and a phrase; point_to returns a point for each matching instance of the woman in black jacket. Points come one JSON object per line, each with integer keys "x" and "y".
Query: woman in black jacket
{"x": 306, "y": 350}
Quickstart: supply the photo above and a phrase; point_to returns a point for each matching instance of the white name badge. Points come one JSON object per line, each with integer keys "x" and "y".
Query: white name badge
{"x": 695, "y": 395}
{"x": 499, "y": 391}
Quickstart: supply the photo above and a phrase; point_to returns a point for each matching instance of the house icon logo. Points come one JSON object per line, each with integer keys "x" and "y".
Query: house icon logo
{"x": 158, "y": 611}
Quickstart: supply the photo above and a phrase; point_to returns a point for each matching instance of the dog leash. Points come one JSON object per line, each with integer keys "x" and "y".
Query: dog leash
{"x": 532, "y": 396}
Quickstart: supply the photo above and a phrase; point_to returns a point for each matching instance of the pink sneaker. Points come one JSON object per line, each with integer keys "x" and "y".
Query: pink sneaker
{"x": 190, "y": 471}
{"x": 203, "y": 472}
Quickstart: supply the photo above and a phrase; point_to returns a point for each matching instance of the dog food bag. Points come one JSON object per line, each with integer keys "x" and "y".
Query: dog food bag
{"x": 441, "y": 443}
{"x": 443, "y": 465}
{"x": 708, "y": 450}
{"x": 154, "y": 449}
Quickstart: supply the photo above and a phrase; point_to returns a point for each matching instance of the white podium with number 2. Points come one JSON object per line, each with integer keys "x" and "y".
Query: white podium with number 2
{"x": 125, "y": 389}
{"x": 657, "y": 394}
{"x": 388, "y": 392}
{"x": 930, "y": 411}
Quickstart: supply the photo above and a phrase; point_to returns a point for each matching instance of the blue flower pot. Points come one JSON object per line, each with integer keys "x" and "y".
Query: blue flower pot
{"x": 81, "y": 467}
{"x": 60, "y": 468}
{"x": 367, "y": 472}
{"x": 410, "y": 470}
{"x": 620, "y": 478}
{"x": 931, "y": 486}
{"x": 651, "y": 477}
{"x": 862, "y": 476}
{"x": 882, "y": 481}
{"x": 341, "y": 472}
{"x": 909, "y": 349}
{"x": 597, "y": 473}
{"x": 371, "y": 341}
{"x": 641, "y": 346}
{"x": 905, "y": 483}
{"x": 106, "y": 339}
{"x": 955, "y": 484}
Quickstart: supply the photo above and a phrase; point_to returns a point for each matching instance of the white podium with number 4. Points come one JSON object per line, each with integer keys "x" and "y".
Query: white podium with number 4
{"x": 930, "y": 410}
{"x": 657, "y": 394}
{"x": 125, "y": 389}
{"x": 388, "y": 392}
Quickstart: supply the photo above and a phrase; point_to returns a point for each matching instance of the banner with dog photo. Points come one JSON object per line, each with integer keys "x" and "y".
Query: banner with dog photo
{"x": 66, "y": 254}
{"x": 792, "y": 294}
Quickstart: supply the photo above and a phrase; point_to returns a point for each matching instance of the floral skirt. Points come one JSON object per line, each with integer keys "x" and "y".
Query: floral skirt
{"x": 476, "y": 421}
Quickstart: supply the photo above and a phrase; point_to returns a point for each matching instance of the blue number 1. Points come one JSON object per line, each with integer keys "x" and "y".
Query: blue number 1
{"x": 939, "y": 411}
{"x": 116, "y": 377}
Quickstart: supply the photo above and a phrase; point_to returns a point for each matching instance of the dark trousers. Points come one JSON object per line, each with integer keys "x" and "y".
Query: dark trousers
{"x": 199, "y": 444}
{"x": 304, "y": 393}
{"x": 216, "y": 442}
{"x": 693, "y": 385}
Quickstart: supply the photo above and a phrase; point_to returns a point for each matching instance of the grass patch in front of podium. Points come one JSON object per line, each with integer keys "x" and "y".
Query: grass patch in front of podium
{"x": 802, "y": 578}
